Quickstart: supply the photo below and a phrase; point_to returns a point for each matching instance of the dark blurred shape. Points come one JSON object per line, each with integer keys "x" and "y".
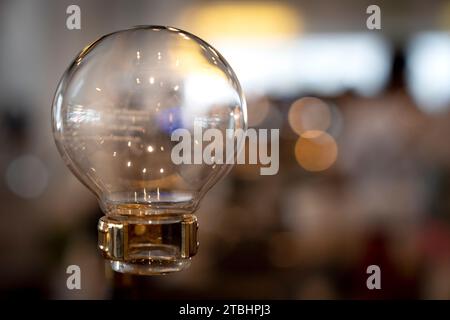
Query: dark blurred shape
{"x": 395, "y": 283}
{"x": 15, "y": 122}
{"x": 398, "y": 70}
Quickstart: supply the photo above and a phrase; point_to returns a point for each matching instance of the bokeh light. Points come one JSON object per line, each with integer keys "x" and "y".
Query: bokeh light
{"x": 267, "y": 20}
{"x": 308, "y": 114}
{"x": 27, "y": 177}
{"x": 428, "y": 72}
{"x": 316, "y": 150}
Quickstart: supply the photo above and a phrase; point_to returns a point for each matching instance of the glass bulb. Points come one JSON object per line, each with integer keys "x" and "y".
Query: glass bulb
{"x": 114, "y": 113}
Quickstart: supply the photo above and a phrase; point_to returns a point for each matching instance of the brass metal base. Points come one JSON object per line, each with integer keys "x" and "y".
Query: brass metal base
{"x": 148, "y": 245}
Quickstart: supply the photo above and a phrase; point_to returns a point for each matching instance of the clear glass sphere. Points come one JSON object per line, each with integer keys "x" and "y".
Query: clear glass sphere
{"x": 118, "y": 103}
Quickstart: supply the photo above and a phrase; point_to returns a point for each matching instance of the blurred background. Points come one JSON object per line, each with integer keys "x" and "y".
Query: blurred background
{"x": 364, "y": 158}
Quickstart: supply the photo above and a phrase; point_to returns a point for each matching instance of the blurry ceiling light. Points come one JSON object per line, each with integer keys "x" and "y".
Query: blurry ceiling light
{"x": 329, "y": 64}
{"x": 308, "y": 114}
{"x": 265, "y": 67}
{"x": 316, "y": 150}
{"x": 326, "y": 64}
{"x": 428, "y": 71}
{"x": 242, "y": 20}
{"x": 263, "y": 41}
{"x": 27, "y": 176}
